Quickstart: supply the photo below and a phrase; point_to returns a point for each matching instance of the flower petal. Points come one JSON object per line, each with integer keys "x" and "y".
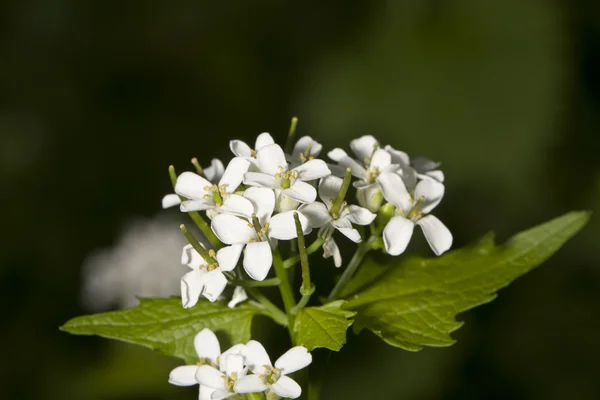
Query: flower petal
{"x": 191, "y": 258}
{"x": 239, "y": 296}
{"x": 337, "y": 154}
{"x": 287, "y": 387}
{"x": 256, "y": 356}
{"x": 258, "y": 260}
{"x": 380, "y": 160}
{"x": 210, "y": 376}
{"x": 302, "y": 145}
{"x": 260, "y": 179}
{"x": 232, "y": 230}
{"x": 422, "y": 164}
{"x": 197, "y": 205}
{"x": 437, "y": 175}
{"x": 183, "y": 376}
{"x": 437, "y": 234}
{"x": 293, "y": 360}
{"x": 364, "y": 146}
{"x": 215, "y": 171}
{"x": 351, "y": 234}
{"x": 312, "y": 169}
{"x": 316, "y": 213}
{"x": 262, "y": 140}
{"x": 302, "y": 192}
{"x": 234, "y": 174}
{"x": 192, "y": 285}
{"x": 263, "y": 202}
{"x": 207, "y": 345}
{"x": 228, "y": 256}
{"x": 235, "y": 349}
{"x": 237, "y": 205}
{"x": 357, "y": 169}
{"x": 394, "y": 191}
{"x": 360, "y": 216}
{"x": 170, "y": 200}
{"x": 398, "y": 157}
{"x": 192, "y": 186}
{"x": 282, "y": 226}
{"x": 240, "y": 148}
{"x": 214, "y": 284}
{"x": 205, "y": 393}
{"x": 331, "y": 249}
{"x": 409, "y": 177}
{"x": 270, "y": 158}
{"x": 397, "y": 234}
{"x": 221, "y": 394}
{"x": 431, "y": 191}
{"x": 234, "y": 363}
{"x": 329, "y": 187}
{"x": 250, "y": 384}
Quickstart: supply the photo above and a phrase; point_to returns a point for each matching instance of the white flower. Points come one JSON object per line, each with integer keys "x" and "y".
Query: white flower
{"x": 209, "y": 353}
{"x": 204, "y": 279}
{"x": 410, "y": 211}
{"x": 321, "y": 215}
{"x": 247, "y": 221}
{"x": 275, "y": 174}
{"x": 331, "y": 249}
{"x": 239, "y": 296}
{"x": 241, "y": 149}
{"x": 418, "y": 167}
{"x": 204, "y": 195}
{"x": 212, "y": 173}
{"x": 305, "y": 149}
{"x": 272, "y": 377}
{"x": 231, "y": 368}
{"x": 427, "y": 168}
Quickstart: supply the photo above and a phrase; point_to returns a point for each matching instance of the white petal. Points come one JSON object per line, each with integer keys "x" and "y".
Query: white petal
{"x": 330, "y": 248}
{"x": 337, "y": 154}
{"x": 192, "y": 285}
{"x": 270, "y": 158}
{"x": 262, "y": 140}
{"x": 364, "y": 146}
{"x": 183, "y": 376}
{"x": 283, "y": 226}
{"x": 170, "y": 200}
{"x": 316, "y": 213}
{"x": 357, "y": 169}
{"x": 380, "y": 160}
{"x": 233, "y": 363}
{"x": 197, "y": 205}
{"x": 329, "y": 187}
{"x": 286, "y": 387}
{"x": 397, "y": 234}
{"x": 260, "y": 179}
{"x": 228, "y": 256}
{"x": 210, "y": 376}
{"x": 422, "y": 164}
{"x": 302, "y": 192}
{"x": 205, "y": 393}
{"x": 240, "y": 148}
{"x": 351, "y": 234}
{"x": 438, "y": 175}
{"x": 221, "y": 394}
{"x": 232, "y": 230}
{"x": 256, "y": 357}
{"x": 284, "y": 202}
{"x": 237, "y": 205}
{"x": 293, "y": 360}
{"x": 250, "y": 384}
{"x": 360, "y": 216}
{"x": 258, "y": 260}
{"x": 394, "y": 191}
{"x": 192, "y": 186}
{"x": 312, "y": 169}
{"x": 432, "y": 193}
{"x": 215, "y": 171}
{"x": 207, "y": 345}
{"x": 234, "y": 174}
{"x": 437, "y": 234}
{"x": 409, "y": 177}
{"x": 302, "y": 145}
{"x": 214, "y": 284}
{"x": 398, "y": 157}
{"x": 263, "y": 202}
{"x": 239, "y": 296}
{"x": 235, "y": 349}
{"x": 191, "y": 258}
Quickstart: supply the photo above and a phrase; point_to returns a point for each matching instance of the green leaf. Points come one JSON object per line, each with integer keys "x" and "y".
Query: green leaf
{"x": 414, "y": 304}
{"x": 323, "y": 326}
{"x": 164, "y": 325}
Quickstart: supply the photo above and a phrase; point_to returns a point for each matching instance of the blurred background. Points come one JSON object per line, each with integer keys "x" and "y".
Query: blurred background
{"x": 97, "y": 98}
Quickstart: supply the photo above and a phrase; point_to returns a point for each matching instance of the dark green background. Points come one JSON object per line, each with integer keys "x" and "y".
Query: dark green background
{"x": 97, "y": 98}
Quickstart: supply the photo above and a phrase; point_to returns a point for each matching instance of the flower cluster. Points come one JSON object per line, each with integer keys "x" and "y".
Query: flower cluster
{"x": 251, "y": 204}
{"x": 222, "y": 375}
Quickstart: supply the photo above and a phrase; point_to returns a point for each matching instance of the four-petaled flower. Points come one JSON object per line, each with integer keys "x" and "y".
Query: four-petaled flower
{"x": 266, "y": 376}
{"x": 411, "y": 210}
{"x": 305, "y": 149}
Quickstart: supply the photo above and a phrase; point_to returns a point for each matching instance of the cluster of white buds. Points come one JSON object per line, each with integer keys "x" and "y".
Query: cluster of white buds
{"x": 223, "y": 375}
{"x": 252, "y": 203}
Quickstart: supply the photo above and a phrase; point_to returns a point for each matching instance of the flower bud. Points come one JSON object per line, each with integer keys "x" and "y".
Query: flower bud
{"x": 370, "y": 198}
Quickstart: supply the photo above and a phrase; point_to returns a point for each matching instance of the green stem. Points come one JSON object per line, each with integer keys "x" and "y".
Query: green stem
{"x": 357, "y": 258}
{"x": 286, "y": 291}
{"x": 316, "y": 245}
{"x": 254, "y": 396}
{"x": 273, "y": 311}
{"x": 289, "y": 143}
{"x": 341, "y": 195}
{"x": 252, "y": 283}
{"x": 197, "y": 246}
